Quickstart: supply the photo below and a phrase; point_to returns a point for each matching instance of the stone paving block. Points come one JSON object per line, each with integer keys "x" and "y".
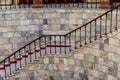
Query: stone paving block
{"x": 46, "y": 60}
{"x": 79, "y": 56}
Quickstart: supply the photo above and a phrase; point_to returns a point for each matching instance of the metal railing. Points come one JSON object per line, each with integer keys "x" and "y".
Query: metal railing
{"x": 61, "y": 44}
{"x": 12, "y": 4}
{"x": 73, "y": 3}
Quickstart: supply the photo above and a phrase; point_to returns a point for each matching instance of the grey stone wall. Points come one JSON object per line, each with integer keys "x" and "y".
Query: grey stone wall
{"x": 19, "y": 26}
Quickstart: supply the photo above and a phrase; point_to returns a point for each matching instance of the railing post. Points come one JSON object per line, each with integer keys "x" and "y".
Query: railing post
{"x": 46, "y": 3}
{"x": 45, "y": 45}
{"x": 106, "y": 24}
{"x": 70, "y": 41}
{"x": 35, "y": 49}
{"x": 95, "y": 30}
{"x": 60, "y": 45}
{"x": 77, "y": 4}
{"x": 96, "y": 3}
{"x": 51, "y": 4}
{"x": 90, "y": 32}
{"x": 91, "y": 4}
{"x": 10, "y": 67}
{"x": 24, "y": 4}
{"x": 116, "y": 18}
{"x": 111, "y": 23}
{"x": 40, "y": 45}
{"x": 60, "y": 5}
{"x": 5, "y": 70}
{"x": 55, "y": 45}
{"x": 65, "y": 43}
{"x": 73, "y": 3}
{"x": 30, "y": 52}
{"x": 50, "y": 44}
{"x": 75, "y": 40}
{"x": 25, "y": 54}
{"x": 82, "y": 4}
{"x": 11, "y": 3}
{"x": 29, "y": 3}
{"x": 21, "y": 59}
{"x": 56, "y": 3}
{"x": 100, "y": 27}
{"x": 85, "y": 35}
{"x": 1, "y": 4}
{"x": 5, "y": 4}
{"x": 15, "y": 62}
{"x": 16, "y": 3}
{"x": 19, "y": 4}
{"x": 86, "y": 4}
{"x": 80, "y": 37}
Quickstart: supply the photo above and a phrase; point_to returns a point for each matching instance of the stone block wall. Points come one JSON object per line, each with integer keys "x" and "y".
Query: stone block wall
{"x": 19, "y": 26}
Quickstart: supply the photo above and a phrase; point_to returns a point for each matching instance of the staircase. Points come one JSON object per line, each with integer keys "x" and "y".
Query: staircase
{"x": 60, "y": 44}
{"x": 73, "y": 65}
